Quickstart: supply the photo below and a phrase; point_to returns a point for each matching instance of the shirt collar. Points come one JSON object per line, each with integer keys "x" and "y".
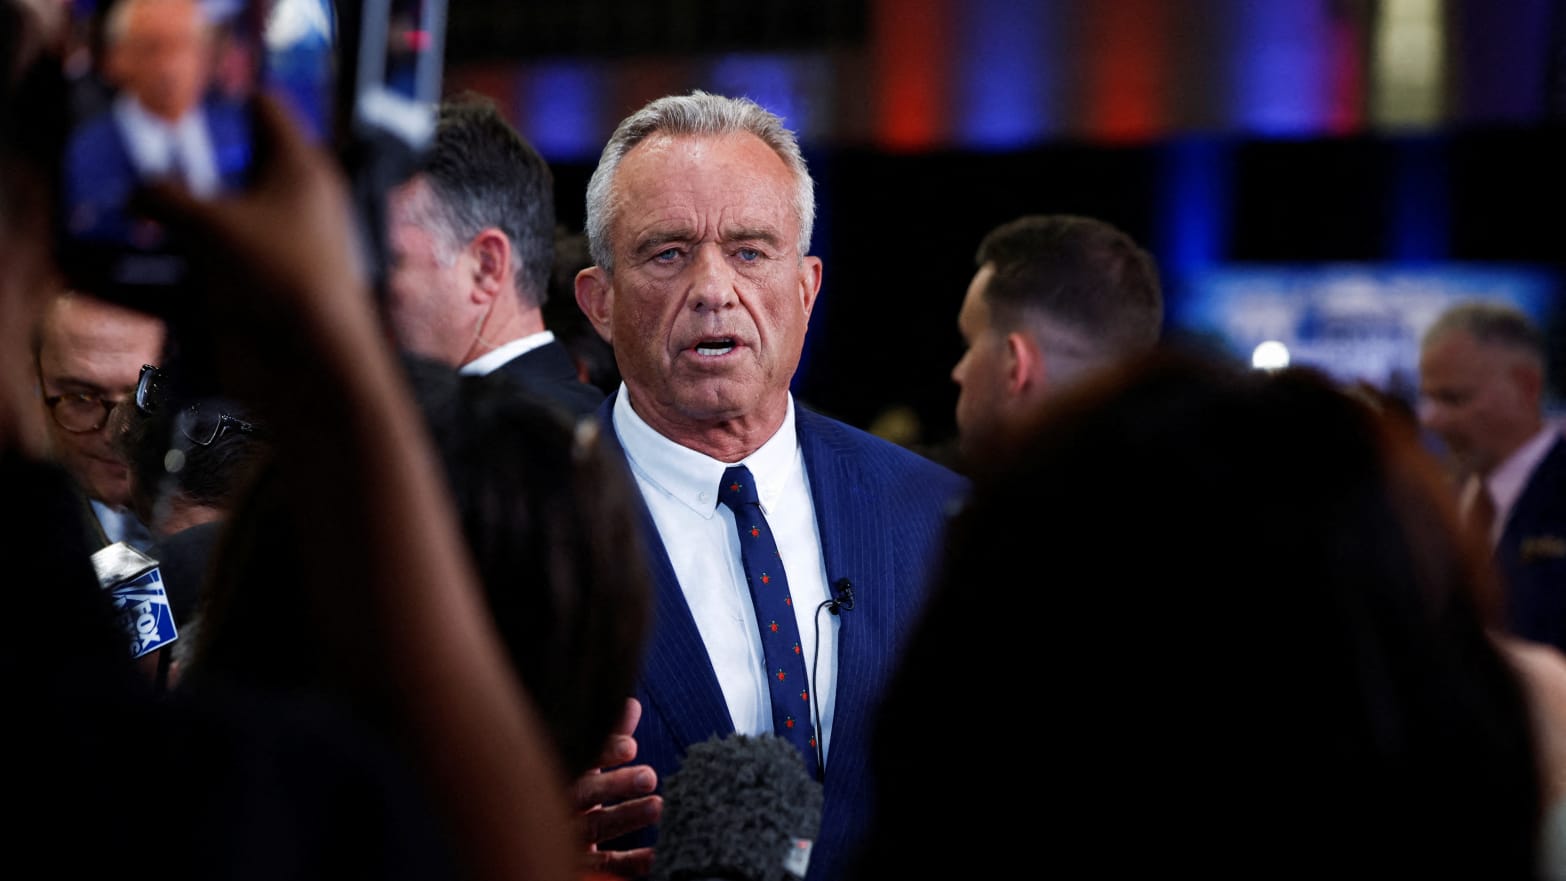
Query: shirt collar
{"x": 1507, "y": 481}
{"x": 691, "y": 477}
{"x": 495, "y": 358}
{"x": 150, "y": 138}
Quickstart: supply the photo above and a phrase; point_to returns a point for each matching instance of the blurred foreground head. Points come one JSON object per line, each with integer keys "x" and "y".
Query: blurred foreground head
{"x": 546, "y": 515}
{"x": 1239, "y": 606}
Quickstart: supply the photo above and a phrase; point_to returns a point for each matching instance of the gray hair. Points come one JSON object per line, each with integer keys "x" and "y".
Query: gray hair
{"x": 482, "y": 173}
{"x": 696, "y": 114}
{"x": 1491, "y": 324}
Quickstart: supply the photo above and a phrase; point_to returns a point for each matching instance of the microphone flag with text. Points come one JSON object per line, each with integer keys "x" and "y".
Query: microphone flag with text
{"x": 135, "y": 587}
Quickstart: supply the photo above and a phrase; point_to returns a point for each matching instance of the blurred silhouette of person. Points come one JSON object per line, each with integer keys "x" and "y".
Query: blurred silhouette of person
{"x": 472, "y": 242}
{"x": 89, "y": 356}
{"x": 1055, "y": 298}
{"x": 760, "y": 514}
{"x": 1482, "y": 383}
{"x": 1248, "y": 619}
{"x": 594, "y": 358}
{"x": 548, "y": 515}
{"x": 163, "y": 124}
{"x": 256, "y": 786}
{"x": 190, "y": 464}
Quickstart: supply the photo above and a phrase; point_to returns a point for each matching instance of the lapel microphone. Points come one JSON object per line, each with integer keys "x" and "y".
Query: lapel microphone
{"x": 842, "y": 597}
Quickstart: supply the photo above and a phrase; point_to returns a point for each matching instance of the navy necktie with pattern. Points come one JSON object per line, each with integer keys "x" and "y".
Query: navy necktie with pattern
{"x": 788, "y": 688}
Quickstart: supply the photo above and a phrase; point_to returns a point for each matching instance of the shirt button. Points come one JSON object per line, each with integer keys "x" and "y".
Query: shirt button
{"x": 701, "y": 497}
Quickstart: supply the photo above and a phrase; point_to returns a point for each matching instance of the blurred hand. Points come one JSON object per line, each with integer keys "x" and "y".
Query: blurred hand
{"x": 280, "y": 258}
{"x": 636, "y": 808}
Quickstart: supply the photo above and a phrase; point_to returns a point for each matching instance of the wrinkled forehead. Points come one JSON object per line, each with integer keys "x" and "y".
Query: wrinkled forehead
{"x": 727, "y": 173}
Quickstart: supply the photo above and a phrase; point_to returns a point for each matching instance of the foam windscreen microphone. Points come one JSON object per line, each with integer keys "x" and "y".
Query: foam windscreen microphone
{"x": 739, "y": 808}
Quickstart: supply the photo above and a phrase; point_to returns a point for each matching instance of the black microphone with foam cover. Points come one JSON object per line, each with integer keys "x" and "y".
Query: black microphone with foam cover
{"x": 739, "y": 809}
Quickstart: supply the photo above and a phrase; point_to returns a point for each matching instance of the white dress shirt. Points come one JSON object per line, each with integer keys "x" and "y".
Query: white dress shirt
{"x": 497, "y": 357}
{"x": 153, "y": 144}
{"x": 1509, "y": 479}
{"x": 680, "y": 486}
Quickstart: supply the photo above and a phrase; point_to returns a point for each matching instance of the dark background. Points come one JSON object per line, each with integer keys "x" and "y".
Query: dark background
{"x": 898, "y": 233}
{"x": 1214, "y": 132}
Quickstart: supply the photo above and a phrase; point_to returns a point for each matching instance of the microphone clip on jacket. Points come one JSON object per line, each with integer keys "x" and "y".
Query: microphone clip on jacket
{"x": 842, "y": 597}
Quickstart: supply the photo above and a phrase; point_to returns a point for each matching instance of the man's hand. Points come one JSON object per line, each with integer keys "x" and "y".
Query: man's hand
{"x": 636, "y": 808}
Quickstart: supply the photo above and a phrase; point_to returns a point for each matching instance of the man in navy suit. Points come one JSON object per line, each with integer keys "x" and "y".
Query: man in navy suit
{"x": 698, "y": 218}
{"x": 1481, "y": 375}
{"x": 159, "y": 126}
{"x": 472, "y": 242}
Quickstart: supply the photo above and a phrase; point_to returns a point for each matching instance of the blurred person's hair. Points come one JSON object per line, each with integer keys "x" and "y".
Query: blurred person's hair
{"x": 546, "y": 512}
{"x": 1492, "y": 324}
{"x": 1081, "y": 275}
{"x": 546, "y": 509}
{"x": 566, "y": 320}
{"x": 1243, "y": 607}
{"x": 165, "y": 466}
{"x": 698, "y": 114}
{"x": 484, "y": 174}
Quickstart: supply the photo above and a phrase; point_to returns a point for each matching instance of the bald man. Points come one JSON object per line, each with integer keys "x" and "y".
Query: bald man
{"x": 1481, "y": 377}
{"x": 90, "y": 354}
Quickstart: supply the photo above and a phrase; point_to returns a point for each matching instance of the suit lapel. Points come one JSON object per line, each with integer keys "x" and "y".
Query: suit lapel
{"x": 848, "y": 551}
{"x": 1543, "y": 487}
{"x": 677, "y": 675}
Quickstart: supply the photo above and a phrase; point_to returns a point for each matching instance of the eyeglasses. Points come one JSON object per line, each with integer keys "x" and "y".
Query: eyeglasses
{"x": 149, "y": 389}
{"x": 203, "y": 425}
{"x": 80, "y": 412}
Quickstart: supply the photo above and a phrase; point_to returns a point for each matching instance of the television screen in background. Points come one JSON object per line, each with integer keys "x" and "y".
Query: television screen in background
{"x": 1356, "y": 322}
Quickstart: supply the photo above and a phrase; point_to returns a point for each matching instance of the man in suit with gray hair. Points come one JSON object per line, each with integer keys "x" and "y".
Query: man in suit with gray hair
{"x": 763, "y": 518}
{"x": 1481, "y": 387}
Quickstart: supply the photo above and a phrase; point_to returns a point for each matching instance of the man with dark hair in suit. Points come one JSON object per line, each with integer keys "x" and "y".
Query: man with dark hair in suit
{"x": 89, "y": 355}
{"x": 1055, "y": 298}
{"x": 472, "y": 245}
{"x": 1481, "y": 377}
{"x": 761, "y": 515}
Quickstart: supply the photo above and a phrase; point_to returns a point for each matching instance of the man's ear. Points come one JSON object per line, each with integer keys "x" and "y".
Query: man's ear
{"x": 1528, "y": 378}
{"x": 810, "y": 282}
{"x": 1025, "y": 367}
{"x": 490, "y": 253}
{"x": 595, "y": 297}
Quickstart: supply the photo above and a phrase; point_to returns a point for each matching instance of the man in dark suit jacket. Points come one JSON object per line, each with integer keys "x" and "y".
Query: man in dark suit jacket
{"x": 159, "y": 126}
{"x": 1481, "y": 373}
{"x": 472, "y": 243}
{"x": 699, "y": 220}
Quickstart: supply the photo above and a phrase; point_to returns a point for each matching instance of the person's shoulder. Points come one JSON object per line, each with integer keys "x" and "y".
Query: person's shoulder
{"x": 875, "y": 452}
{"x": 1553, "y": 465}
{"x": 1544, "y": 495}
{"x": 218, "y": 107}
{"x": 94, "y": 138}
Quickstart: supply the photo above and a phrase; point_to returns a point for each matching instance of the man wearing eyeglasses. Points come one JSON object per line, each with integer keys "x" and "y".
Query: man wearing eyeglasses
{"x": 90, "y": 355}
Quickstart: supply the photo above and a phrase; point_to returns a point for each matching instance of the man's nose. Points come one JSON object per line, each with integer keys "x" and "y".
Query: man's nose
{"x": 712, "y": 283}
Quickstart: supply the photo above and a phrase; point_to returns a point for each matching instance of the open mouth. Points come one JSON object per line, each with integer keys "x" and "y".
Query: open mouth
{"x": 712, "y": 348}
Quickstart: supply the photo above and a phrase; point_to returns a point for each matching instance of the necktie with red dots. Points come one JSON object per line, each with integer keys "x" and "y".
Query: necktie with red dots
{"x": 789, "y": 690}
